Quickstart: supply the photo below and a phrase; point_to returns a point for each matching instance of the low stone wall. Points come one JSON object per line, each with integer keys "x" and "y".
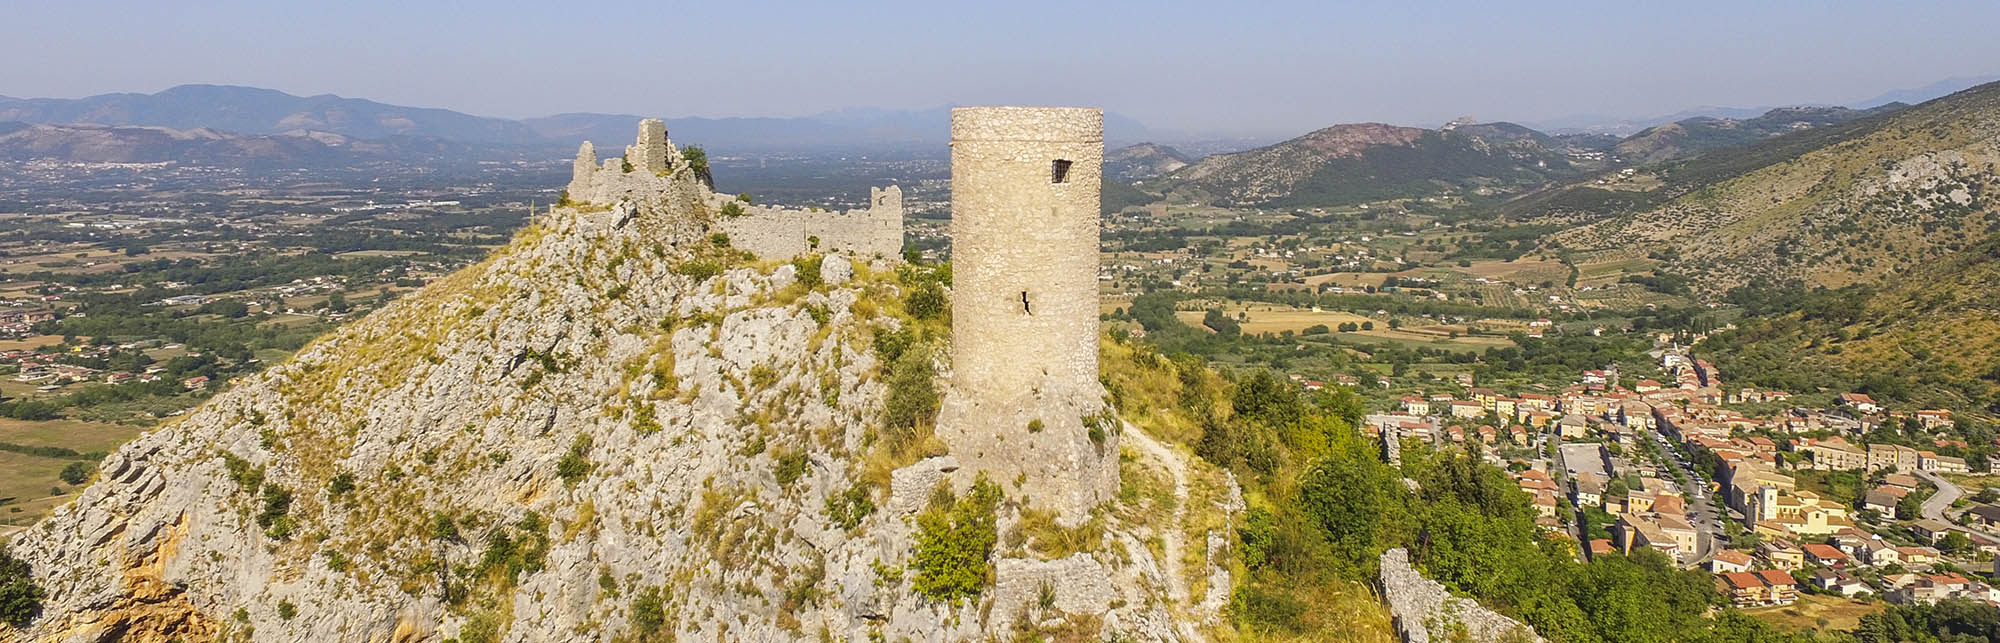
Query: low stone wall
{"x": 1425, "y": 611}
{"x": 778, "y": 233}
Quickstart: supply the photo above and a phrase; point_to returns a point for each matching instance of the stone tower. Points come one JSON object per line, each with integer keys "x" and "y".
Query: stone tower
{"x": 580, "y": 171}
{"x": 649, "y": 154}
{"x": 1025, "y": 404}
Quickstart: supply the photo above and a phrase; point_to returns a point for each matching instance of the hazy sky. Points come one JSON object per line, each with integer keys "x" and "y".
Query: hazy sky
{"x": 1213, "y": 67}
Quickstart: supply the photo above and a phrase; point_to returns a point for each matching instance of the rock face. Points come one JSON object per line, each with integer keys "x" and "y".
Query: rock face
{"x": 612, "y": 429}
{"x": 1425, "y": 611}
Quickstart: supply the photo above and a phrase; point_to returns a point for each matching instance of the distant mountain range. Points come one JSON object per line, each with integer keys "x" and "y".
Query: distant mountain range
{"x": 1362, "y": 162}
{"x": 253, "y": 111}
{"x": 1692, "y": 136}
{"x": 1601, "y": 124}
{"x": 205, "y": 111}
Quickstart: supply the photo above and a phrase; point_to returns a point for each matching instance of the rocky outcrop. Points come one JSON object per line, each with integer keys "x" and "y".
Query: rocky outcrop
{"x": 1425, "y": 611}
{"x": 611, "y": 429}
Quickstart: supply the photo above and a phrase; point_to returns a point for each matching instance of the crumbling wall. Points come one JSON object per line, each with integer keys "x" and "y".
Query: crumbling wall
{"x": 781, "y": 233}
{"x": 1425, "y": 611}
{"x": 770, "y": 233}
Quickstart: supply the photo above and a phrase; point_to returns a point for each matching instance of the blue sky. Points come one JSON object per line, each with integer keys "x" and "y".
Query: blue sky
{"x": 1200, "y": 67}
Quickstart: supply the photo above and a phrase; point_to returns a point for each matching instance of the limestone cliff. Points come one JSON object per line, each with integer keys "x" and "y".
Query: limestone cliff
{"x": 616, "y": 428}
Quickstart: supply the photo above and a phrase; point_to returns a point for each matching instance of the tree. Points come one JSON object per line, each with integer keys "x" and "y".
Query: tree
{"x": 20, "y": 597}
{"x": 1221, "y": 323}
{"x": 1911, "y": 507}
{"x": 75, "y": 474}
{"x": 1955, "y": 542}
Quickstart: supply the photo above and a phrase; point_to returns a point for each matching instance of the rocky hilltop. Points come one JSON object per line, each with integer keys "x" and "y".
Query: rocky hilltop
{"x": 618, "y": 427}
{"x": 1363, "y": 162}
{"x": 1693, "y": 136}
{"x": 1856, "y": 203}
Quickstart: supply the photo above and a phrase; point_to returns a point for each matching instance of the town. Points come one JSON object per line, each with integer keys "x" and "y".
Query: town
{"x": 1854, "y": 500}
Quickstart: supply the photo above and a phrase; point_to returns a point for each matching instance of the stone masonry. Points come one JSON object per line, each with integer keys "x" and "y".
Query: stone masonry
{"x": 768, "y": 232}
{"x": 777, "y": 233}
{"x": 1025, "y": 404}
{"x": 1425, "y": 611}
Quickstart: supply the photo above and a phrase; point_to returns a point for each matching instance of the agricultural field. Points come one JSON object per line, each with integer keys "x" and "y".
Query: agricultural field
{"x": 1818, "y": 613}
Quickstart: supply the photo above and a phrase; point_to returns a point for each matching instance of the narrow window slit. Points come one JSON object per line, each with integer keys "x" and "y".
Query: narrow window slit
{"x": 1024, "y": 304}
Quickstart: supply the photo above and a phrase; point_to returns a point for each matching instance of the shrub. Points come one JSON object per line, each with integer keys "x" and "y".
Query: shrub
{"x": 20, "y": 597}
{"x": 848, "y": 508}
{"x": 891, "y": 344}
{"x": 791, "y": 465}
{"x": 744, "y": 197}
{"x": 286, "y": 610}
{"x": 649, "y": 611}
{"x": 574, "y": 464}
{"x": 697, "y": 158}
{"x": 248, "y": 478}
{"x": 1035, "y": 425}
{"x": 341, "y": 484}
{"x": 927, "y": 301}
{"x": 274, "y": 517}
{"x": 955, "y": 538}
{"x": 808, "y": 270}
{"x": 913, "y": 397}
{"x": 698, "y": 270}
{"x": 718, "y": 240}
{"x": 732, "y": 210}
{"x": 75, "y": 473}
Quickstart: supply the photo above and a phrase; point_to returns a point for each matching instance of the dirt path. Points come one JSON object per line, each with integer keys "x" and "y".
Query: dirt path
{"x": 1174, "y": 542}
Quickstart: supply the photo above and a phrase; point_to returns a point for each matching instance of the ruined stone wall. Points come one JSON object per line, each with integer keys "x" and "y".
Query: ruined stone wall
{"x": 1425, "y": 611}
{"x": 651, "y": 153}
{"x": 609, "y": 182}
{"x": 770, "y": 233}
{"x": 1024, "y": 229}
{"x": 783, "y": 233}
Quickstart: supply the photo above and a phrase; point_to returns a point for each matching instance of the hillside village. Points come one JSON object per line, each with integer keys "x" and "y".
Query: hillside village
{"x": 1799, "y": 499}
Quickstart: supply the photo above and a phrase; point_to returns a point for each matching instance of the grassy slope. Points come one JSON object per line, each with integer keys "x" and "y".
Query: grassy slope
{"x": 1932, "y": 339}
{"x": 1801, "y": 206}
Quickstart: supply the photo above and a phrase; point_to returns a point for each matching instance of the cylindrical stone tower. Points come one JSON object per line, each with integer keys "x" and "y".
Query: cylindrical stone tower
{"x": 1025, "y": 396}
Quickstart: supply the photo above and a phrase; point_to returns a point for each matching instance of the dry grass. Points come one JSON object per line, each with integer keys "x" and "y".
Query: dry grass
{"x": 69, "y": 434}
{"x": 1804, "y": 615}
{"x": 30, "y": 343}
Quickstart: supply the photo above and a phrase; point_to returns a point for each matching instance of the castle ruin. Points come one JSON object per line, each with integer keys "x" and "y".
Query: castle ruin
{"x": 643, "y": 176}
{"x": 1025, "y": 404}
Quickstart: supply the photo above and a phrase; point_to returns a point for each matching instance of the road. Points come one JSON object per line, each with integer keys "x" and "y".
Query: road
{"x": 1947, "y": 493}
{"x": 1563, "y": 495}
{"x": 1701, "y": 510}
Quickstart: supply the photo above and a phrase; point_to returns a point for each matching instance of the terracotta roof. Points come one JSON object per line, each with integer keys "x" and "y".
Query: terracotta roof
{"x": 1776, "y": 577}
{"x": 1742, "y": 580}
{"x": 1733, "y": 557}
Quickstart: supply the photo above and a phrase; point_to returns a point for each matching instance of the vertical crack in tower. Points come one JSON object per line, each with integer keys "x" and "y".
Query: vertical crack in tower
{"x": 1025, "y": 400}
